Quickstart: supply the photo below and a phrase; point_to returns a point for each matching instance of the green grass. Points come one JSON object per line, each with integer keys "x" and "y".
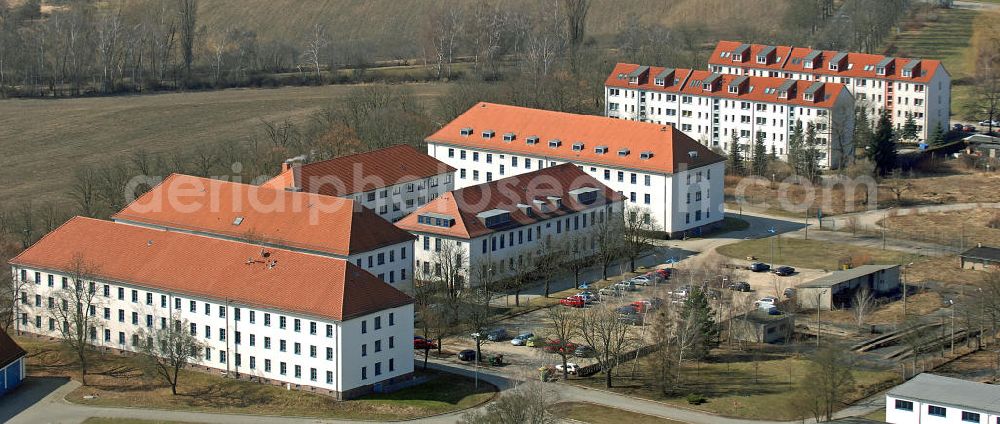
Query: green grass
{"x": 805, "y": 253}
{"x": 946, "y": 37}
{"x": 599, "y": 414}
{"x": 732, "y": 390}
{"x": 43, "y": 140}
{"x": 106, "y": 420}
{"x": 878, "y": 415}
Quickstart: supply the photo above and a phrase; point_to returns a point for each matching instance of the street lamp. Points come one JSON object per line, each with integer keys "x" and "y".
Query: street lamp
{"x": 475, "y": 336}
{"x": 903, "y": 278}
{"x": 952, "y": 302}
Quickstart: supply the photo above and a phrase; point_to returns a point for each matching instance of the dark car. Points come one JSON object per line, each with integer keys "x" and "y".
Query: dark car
{"x": 741, "y": 286}
{"x": 784, "y": 271}
{"x": 496, "y": 335}
{"x": 467, "y": 355}
{"x": 583, "y": 351}
{"x": 790, "y": 292}
{"x": 759, "y": 267}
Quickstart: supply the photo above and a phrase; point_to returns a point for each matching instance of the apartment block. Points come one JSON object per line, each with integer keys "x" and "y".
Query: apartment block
{"x": 279, "y": 316}
{"x": 903, "y": 87}
{"x": 304, "y": 222}
{"x": 654, "y": 166}
{"x": 713, "y": 108}
{"x": 485, "y": 232}
{"x": 392, "y": 182}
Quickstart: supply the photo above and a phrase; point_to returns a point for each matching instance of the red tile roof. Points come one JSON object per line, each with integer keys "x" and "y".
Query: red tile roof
{"x": 194, "y": 265}
{"x": 296, "y": 220}
{"x": 688, "y": 81}
{"x": 506, "y": 194}
{"x": 362, "y": 172}
{"x": 790, "y": 59}
{"x": 669, "y": 147}
{"x": 9, "y": 349}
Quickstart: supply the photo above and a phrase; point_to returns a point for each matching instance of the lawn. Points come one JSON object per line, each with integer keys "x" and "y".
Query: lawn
{"x": 878, "y": 415}
{"x": 802, "y": 253}
{"x": 732, "y": 389}
{"x": 599, "y": 414}
{"x": 63, "y": 133}
{"x": 117, "y": 381}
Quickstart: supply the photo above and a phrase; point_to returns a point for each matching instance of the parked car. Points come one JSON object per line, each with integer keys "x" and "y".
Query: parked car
{"x": 790, "y": 292}
{"x": 496, "y": 335}
{"x": 587, "y": 296}
{"x": 558, "y": 346}
{"x": 625, "y": 286}
{"x": 664, "y": 273}
{"x": 610, "y": 292}
{"x": 627, "y": 309}
{"x": 784, "y": 271}
{"x": 570, "y": 368}
{"x": 420, "y": 343}
{"x": 573, "y": 302}
{"x": 759, "y": 267}
{"x": 467, "y": 355}
{"x": 714, "y": 294}
{"x": 646, "y": 305}
{"x": 521, "y": 339}
{"x": 634, "y": 318}
{"x": 741, "y": 286}
{"x": 988, "y": 123}
{"x": 969, "y": 128}
{"x": 583, "y": 351}
{"x": 535, "y": 342}
{"x": 641, "y": 280}
{"x": 956, "y": 127}
{"x": 681, "y": 292}
{"x": 766, "y": 302}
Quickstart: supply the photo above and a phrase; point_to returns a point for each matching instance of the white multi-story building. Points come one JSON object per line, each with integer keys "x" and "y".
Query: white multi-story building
{"x": 311, "y": 321}
{"x": 304, "y": 222}
{"x": 392, "y": 182}
{"x": 933, "y": 399}
{"x": 653, "y": 166}
{"x": 487, "y": 231}
{"x": 920, "y": 88}
{"x": 711, "y": 107}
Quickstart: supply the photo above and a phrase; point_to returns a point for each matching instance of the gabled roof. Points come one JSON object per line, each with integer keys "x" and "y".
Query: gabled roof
{"x": 951, "y": 392}
{"x": 982, "y": 252}
{"x": 9, "y": 349}
{"x": 669, "y": 146}
{"x": 279, "y": 218}
{"x": 208, "y": 267}
{"x": 859, "y": 65}
{"x": 760, "y": 89}
{"x": 512, "y": 195}
{"x": 361, "y": 172}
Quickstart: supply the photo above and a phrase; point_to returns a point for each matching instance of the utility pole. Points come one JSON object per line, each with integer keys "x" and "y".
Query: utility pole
{"x": 819, "y": 322}
{"x": 952, "y": 328}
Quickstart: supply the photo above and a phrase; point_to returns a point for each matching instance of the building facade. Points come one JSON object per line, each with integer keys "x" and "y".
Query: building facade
{"x": 392, "y": 182}
{"x": 717, "y": 108}
{"x": 655, "y": 167}
{"x": 487, "y": 232}
{"x": 280, "y": 316}
{"x": 917, "y": 88}
{"x": 838, "y": 289}
{"x": 12, "y": 362}
{"x": 934, "y": 399}
{"x": 304, "y": 222}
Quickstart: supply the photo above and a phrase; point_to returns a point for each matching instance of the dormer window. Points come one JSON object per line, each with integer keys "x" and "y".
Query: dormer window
{"x": 761, "y": 59}
{"x": 436, "y": 220}
{"x": 737, "y": 57}
{"x": 734, "y": 89}
{"x": 659, "y": 81}
{"x": 555, "y": 143}
{"x": 623, "y": 152}
{"x": 807, "y": 64}
{"x": 509, "y": 136}
{"x": 532, "y": 140}
{"x": 577, "y": 147}
{"x": 880, "y": 70}
{"x": 833, "y": 66}
{"x": 907, "y": 73}
{"x": 488, "y": 134}
{"x": 707, "y": 86}
{"x": 466, "y": 131}
{"x": 807, "y": 96}
{"x": 646, "y": 155}
{"x": 601, "y": 150}
{"x": 633, "y": 80}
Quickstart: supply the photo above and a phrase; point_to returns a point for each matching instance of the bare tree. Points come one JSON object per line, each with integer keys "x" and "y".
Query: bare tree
{"x": 315, "y": 46}
{"x": 898, "y": 185}
{"x": 544, "y": 42}
{"x": 602, "y": 329}
{"x": 188, "y": 17}
{"x": 864, "y": 302}
{"x": 576, "y": 24}
{"x": 446, "y": 267}
{"x": 10, "y": 296}
{"x": 76, "y": 312}
{"x": 563, "y": 328}
{"x": 441, "y": 33}
{"x": 528, "y": 403}
{"x": 638, "y": 233}
{"x": 84, "y": 191}
{"x": 829, "y": 380}
{"x": 607, "y": 233}
{"x": 166, "y": 351}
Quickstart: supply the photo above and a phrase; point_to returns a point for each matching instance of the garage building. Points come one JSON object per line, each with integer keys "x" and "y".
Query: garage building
{"x": 838, "y": 288}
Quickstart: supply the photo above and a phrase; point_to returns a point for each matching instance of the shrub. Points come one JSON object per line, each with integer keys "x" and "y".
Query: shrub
{"x": 696, "y": 399}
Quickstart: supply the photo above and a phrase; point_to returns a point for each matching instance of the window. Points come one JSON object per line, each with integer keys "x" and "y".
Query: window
{"x": 392, "y": 342}
{"x": 904, "y": 405}
{"x": 283, "y": 368}
{"x": 297, "y": 325}
{"x": 329, "y": 330}
{"x": 937, "y": 411}
{"x": 267, "y": 365}
{"x": 267, "y": 319}
{"x": 329, "y": 354}
{"x": 364, "y": 350}
{"x": 378, "y": 368}
{"x": 378, "y": 323}
{"x": 378, "y": 345}
{"x": 282, "y": 322}
{"x": 282, "y": 346}
{"x": 970, "y": 417}
{"x": 297, "y": 348}
{"x": 253, "y": 317}
{"x": 121, "y": 295}
{"x": 208, "y": 308}
{"x": 253, "y": 363}
{"x": 364, "y": 327}
{"x": 364, "y": 373}
{"x": 329, "y": 377}
{"x": 312, "y": 328}
{"x": 267, "y": 342}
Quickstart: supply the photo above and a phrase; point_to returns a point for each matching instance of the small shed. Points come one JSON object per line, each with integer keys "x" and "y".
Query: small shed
{"x": 838, "y": 288}
{"x": 11, "y": 363}
{"x": 759, "y": 326}
{"x": 980, "y": 258}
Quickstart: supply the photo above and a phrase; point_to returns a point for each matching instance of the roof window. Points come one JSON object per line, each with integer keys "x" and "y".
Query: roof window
{"x": 623, "y": 152}
{"x": 509, "y": 136}
{"x": 555, "y": 143}
{"x": 488, "y": 134}
{"x": 577, "y": 147}
{"x": 466, "y": 131}
{"x": 532, "y": 140}
{"x": 601, "y": 150}
{"x": 646, "y": 155}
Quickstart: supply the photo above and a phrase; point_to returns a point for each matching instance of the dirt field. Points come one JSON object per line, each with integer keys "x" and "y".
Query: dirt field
{"x": 949, "y": 227}
{"x": 43, "y": 140}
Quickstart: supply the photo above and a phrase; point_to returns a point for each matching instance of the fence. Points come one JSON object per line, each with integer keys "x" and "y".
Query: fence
{"x": 624, "y": 357}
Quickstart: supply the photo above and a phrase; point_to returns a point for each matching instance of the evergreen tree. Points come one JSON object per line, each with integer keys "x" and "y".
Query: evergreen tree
{"x": 795, "y": 146}
{"x": 735, "y": 158}
{"x": 758, "y": 162}
{"x": 938, "y": 137}
{"x": 809, "y": 157}
{"x": 862, "y": 128}
{"x": 882, "y": 149}
{"x": 909, "y": 130}
{"x": 698, "y": 311}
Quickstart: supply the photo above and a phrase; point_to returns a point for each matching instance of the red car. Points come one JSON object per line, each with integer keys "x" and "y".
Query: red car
{"x": 663, "y": 273}
{"x": 420, "y": 343}
{"x": 559, "y": 346}
{"x": 573, "y": 301}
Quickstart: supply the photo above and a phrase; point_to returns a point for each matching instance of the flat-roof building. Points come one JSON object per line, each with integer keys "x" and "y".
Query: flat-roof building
{"x": 838, "y": 288}
{"x": 933, "y": 399}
